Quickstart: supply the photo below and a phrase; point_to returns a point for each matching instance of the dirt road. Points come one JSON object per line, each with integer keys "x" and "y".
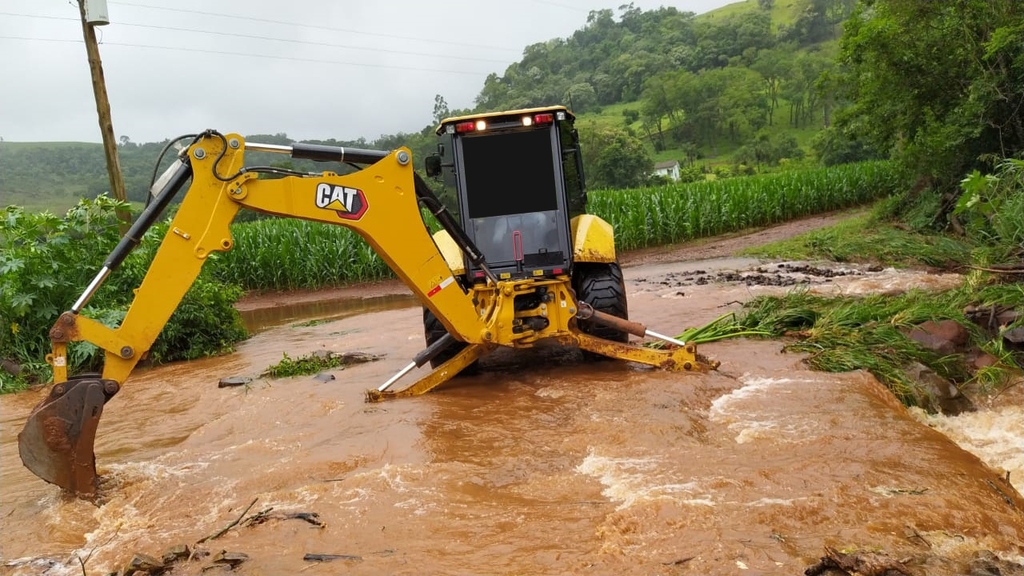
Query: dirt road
{"x": 542, "y": 463}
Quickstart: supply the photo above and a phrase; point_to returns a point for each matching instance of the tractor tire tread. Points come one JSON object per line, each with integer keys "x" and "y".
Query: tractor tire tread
{"x": 602, "y": 286}
{"x": 432, "y": 330}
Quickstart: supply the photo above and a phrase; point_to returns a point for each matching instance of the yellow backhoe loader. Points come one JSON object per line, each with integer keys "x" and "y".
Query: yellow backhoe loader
{"x": 525, "y": 265}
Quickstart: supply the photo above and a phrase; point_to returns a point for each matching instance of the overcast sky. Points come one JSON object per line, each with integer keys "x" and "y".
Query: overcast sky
{"x": 309, "y": 68}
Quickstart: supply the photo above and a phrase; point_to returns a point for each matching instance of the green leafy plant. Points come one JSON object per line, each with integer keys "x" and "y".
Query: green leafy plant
{"x": 992, "y": 205}
{"x": 46, "y": 262}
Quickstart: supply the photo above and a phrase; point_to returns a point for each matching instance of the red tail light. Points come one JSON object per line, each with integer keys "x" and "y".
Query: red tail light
{"x": 543, "y": 118}
{"x": 465, "y": 126}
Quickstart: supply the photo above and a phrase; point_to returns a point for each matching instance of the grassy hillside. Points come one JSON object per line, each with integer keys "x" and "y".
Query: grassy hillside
{"x": 783, "y": 12}
{"x": 722, "y": 154}
{"x": 49, "y": 183}
{"x": 784, "y": 15}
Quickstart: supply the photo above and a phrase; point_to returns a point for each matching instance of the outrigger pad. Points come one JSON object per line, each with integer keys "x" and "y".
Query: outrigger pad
{"x": 57, "y": 441}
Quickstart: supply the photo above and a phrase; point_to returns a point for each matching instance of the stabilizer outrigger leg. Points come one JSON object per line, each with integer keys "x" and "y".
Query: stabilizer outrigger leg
{"x": 438, "y": 376}
{"x": 681, "y": 356}
{"x": 57, "y": 441}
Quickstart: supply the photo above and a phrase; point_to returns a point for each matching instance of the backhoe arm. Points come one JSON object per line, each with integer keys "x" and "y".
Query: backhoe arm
{"x": 378, "y": 202}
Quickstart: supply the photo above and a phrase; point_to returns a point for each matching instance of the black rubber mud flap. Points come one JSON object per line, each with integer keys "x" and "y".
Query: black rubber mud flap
{"x": 57, "y": 441}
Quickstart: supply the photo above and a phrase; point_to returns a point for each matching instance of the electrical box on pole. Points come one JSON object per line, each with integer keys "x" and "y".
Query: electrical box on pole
{"x": 96, "y": 12}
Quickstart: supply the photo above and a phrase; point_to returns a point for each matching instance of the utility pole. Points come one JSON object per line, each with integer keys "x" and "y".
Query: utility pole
{"x": 97, "y": 16}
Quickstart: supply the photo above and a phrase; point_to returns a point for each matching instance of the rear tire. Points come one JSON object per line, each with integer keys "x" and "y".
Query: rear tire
{"x": 601, "y": 286}
{"x": 434, "y": 330}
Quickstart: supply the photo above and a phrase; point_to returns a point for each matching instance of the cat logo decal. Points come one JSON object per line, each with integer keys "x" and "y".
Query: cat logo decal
{"x": 349, "y": 203}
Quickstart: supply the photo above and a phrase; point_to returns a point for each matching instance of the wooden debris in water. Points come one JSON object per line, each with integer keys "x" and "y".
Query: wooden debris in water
{"x": 267, "y": 515}
{"x": 175, "y": 553}
{"x": 860, "y": 563}
{"x": 233, "y": 381}
{"x": 331, "y": 557}
{"x": 229, "y": 559}
{"x": 229, "y": 526}
{"x": 143, "y": 564}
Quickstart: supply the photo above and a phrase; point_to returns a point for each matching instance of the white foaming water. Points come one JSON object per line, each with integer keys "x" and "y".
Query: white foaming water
{"x": 152, "y": 470}
{"x": 752, "y": 423}
{"x": 996, "y": 436}
{"x": 131, "y": 510}
{"x": 633, "y": 480}
{"x": 723, "y": 406}
{"x": 550, "y": 392}
{"x": 409, "y": 480}
{"x": 48, "y": 566}
{"x": 773, "y": 502}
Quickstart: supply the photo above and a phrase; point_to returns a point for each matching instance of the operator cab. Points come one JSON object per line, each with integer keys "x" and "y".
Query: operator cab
{"x": 517, "y": 177}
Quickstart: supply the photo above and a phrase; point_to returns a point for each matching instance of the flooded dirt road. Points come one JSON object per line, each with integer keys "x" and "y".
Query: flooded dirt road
{"x": 541, "y": 464}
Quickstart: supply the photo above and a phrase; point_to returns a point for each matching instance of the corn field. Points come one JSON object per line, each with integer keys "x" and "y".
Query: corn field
{"x": 653, "y": 216}
{"x": 287, "y": 253}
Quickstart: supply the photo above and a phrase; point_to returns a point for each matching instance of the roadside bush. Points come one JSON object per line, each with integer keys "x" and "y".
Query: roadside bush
{"x": 833, "y": 146}
{"x": 768, "y": 149}
{"x": 992, "y": 205}
{"x": 46, "y": 262}
{"x": 691, "y": 174}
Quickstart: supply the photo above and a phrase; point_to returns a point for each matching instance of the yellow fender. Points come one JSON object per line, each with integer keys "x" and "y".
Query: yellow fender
{"x": 593, "y": 239}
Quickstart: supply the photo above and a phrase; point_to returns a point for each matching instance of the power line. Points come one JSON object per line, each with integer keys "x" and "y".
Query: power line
{"x": 243, "y": 54}
{"x": 301, "y": 25}
{"x": 254, "y": 37}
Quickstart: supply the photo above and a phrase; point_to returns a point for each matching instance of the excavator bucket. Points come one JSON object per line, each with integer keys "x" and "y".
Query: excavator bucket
{"x": 57, "y": 441}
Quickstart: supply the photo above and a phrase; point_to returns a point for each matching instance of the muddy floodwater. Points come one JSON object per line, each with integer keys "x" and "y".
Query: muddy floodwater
{"x": 542, "y": 463}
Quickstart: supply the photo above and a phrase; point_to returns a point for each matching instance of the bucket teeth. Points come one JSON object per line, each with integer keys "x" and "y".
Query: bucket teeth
{"x": 56, "y": 443}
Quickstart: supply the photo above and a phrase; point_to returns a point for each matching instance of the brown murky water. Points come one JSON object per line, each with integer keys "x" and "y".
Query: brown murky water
{"x": 540, "y": 464}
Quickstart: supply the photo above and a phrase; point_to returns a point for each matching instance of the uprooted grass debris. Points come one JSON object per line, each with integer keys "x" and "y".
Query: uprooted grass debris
{"x": 870, "y": 333}
{"x": 315, "y": 362}
{"x": 725, "y": 326}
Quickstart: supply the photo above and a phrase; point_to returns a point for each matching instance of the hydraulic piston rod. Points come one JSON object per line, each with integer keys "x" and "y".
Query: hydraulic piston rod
{"x": 422, "y": 358}
{"x": 587, "y": 312}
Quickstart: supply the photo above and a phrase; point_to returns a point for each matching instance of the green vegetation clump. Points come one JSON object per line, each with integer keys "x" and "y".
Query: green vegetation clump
{"x": 992, "y": 207}
{"x": 843, "y": 334}
{"x": 904, "y": 229}
{"x": 314, "y": 363}
{"x": 721, "y": 328}
{"x": 47, "y": 261}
